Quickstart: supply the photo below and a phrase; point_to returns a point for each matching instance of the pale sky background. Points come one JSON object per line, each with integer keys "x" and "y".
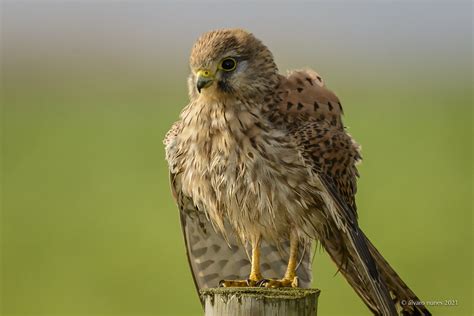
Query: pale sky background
{"x": 335, "y": 34}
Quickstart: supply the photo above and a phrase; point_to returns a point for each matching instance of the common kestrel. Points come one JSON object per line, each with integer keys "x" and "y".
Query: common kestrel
{"x": 261, "y": 166}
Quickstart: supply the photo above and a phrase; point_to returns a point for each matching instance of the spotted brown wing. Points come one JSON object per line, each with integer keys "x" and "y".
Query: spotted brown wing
{"x": 312, "y": 115}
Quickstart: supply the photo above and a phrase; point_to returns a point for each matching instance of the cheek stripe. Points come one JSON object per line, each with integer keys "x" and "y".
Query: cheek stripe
{"x": 224, "y": 86}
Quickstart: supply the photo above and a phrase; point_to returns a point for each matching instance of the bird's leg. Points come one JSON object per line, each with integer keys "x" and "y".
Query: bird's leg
{"x": 255, "y": 274}
{"x": 255, "y": 277}
{"x": 290, "y": 279}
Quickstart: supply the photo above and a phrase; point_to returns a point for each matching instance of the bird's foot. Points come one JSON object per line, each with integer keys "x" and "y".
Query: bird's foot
{"x": 276, "y": 283}
{"x": 252, "y": 281}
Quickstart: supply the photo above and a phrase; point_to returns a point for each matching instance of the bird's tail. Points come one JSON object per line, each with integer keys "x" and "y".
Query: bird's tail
{"x": 370, "y": 275}
{"x": 406, "y": 301}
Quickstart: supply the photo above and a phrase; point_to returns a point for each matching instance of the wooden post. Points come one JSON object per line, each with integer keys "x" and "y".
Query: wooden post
{"x": 251, "y": 301}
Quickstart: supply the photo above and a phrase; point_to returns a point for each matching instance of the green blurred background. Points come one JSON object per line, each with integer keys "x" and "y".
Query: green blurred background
{"x": 89, "y": 89}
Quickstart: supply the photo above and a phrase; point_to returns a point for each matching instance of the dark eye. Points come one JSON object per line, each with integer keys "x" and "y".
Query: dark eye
{"x": 228, "y": 64}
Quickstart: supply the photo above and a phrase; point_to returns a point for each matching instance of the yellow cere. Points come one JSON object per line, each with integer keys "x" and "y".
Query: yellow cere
{"x": 205, "y": 73}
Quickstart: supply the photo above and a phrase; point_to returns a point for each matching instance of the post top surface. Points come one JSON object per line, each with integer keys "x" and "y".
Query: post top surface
{"x": 279, "y": 293}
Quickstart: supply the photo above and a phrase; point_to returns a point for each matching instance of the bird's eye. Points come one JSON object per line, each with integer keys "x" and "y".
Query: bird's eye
{"x": 228, "y": 64}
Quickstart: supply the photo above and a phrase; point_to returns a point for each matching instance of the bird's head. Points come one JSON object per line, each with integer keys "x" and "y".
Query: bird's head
{"x": 231, "y": 63}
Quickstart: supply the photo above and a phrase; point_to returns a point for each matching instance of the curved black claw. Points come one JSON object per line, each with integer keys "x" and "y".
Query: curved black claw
{"x": 262, "y": 282}
{"x": 278, "y": 283}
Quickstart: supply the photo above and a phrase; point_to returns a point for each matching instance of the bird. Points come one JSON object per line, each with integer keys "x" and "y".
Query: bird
{"x": 262, "y": 168}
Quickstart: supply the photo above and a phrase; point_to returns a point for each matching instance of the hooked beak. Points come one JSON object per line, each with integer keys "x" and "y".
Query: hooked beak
{"x": 205, "y": 78}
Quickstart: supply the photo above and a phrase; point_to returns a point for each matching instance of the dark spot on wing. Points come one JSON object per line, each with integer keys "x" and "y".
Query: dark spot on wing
{"x": 330, "y": 106}
{"x": 199, "y": 252}
{"x": 315, "y": 106}
{"x": 205, "y": 264}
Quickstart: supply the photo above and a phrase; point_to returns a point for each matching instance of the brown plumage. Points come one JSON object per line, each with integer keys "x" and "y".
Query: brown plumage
{"x": 261, "y": 166}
